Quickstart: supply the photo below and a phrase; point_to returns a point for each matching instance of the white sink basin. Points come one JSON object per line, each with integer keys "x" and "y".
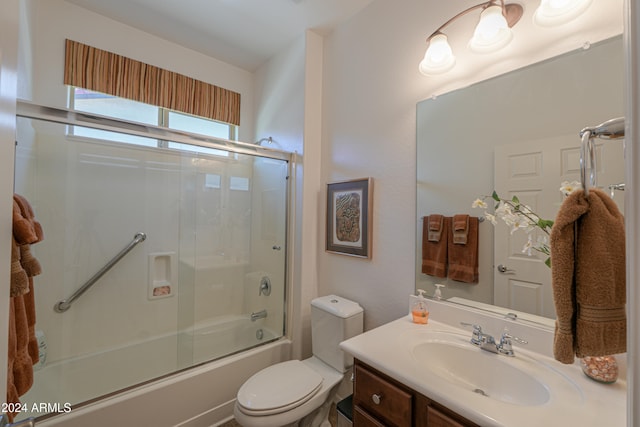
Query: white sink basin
{"x": 528, "y": 390}
{"x": 481, "y": 372}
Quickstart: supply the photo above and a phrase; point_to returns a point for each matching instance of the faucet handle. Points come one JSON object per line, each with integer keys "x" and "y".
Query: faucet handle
{"x": 505, "y": 343}
{"x": 476, "y": 338}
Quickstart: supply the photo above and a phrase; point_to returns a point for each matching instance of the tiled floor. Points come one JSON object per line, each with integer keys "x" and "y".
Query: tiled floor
{"x": 332, "y": 419}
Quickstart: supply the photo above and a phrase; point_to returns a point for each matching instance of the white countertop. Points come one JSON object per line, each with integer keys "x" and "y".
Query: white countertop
{"x": 575, "y": 400}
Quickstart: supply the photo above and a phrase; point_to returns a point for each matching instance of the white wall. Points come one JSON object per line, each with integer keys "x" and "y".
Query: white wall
{"x": 370, "y": 93}
{"x": 371, "y": 87}
{"x": 56, "y": 20}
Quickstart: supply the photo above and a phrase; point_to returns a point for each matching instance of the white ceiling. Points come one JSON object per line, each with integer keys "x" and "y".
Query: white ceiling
{"x": 244, "y": 33}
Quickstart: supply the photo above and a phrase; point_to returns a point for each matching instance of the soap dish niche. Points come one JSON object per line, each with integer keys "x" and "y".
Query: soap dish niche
{"x": 160, "y": 289}
{"x": 162, "y": 275}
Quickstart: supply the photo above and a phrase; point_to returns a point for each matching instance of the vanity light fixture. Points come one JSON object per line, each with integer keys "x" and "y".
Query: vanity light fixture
{"x": 493, "y": 30}
{"x": 558, "y": 12}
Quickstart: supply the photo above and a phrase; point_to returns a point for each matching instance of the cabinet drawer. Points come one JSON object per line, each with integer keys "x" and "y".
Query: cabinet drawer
{"x": 362, "y": 419}
{"x": 440, "y": 419}
{"x": 381, "y": 398}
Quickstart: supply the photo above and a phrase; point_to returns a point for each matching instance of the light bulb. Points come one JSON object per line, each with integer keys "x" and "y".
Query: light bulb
{"x": 438, "y": 58}
{"x": 557, "y": 12}
{"x": 492, "y": 32}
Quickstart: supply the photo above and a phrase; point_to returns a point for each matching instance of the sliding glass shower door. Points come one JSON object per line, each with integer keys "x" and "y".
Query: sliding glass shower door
{"x": 207, "y": 280}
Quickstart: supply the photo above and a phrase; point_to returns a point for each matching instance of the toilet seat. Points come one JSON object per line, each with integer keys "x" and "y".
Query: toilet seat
{"x": 278, "y": 388}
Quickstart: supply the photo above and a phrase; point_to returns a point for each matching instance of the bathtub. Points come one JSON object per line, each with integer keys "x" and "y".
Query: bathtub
{"x": 198, "y": 396}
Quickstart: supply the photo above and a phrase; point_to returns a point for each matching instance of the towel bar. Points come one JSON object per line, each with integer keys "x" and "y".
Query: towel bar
{"x": 63, "y": 305}
{"x": 611, "y": 129}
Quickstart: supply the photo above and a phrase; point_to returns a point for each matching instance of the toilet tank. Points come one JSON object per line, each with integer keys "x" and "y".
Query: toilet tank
{"x": 333, "y": 320}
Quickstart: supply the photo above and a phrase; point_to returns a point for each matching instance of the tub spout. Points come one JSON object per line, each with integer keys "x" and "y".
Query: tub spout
{"x": 258, "y": 315}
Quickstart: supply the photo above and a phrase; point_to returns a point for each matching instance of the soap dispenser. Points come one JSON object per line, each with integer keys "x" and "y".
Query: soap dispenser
{"x": 419, "y": 311}
{"x": 438, "y": 293}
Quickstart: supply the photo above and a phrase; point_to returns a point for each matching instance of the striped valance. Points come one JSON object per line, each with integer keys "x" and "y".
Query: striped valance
{"x": 101, "y": 71}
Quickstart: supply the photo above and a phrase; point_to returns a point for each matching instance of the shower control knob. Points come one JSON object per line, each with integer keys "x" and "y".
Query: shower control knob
{"x": 377, "y": 398}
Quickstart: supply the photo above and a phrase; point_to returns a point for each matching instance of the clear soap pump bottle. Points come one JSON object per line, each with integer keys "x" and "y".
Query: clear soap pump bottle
{"x": 419, "y": 311}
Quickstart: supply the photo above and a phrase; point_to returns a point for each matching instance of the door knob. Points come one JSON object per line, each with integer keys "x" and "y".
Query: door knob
{"x": 503, "y": 269}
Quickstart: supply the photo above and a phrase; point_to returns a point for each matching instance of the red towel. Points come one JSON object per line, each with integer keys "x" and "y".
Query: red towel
{"x": 463, "y": 258}
{"x": 434, "y": 252}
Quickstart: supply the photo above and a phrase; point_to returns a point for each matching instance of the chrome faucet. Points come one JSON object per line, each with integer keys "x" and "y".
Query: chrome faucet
{"x": 258, "y": 315}
{"x": 488, "y": 343}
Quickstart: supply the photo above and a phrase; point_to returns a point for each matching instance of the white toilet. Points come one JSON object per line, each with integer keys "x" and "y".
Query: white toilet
{"x": 285, "y": 393}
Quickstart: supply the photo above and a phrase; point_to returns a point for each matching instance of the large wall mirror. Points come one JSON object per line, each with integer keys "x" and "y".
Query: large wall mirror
{"x": 518, "y": 134}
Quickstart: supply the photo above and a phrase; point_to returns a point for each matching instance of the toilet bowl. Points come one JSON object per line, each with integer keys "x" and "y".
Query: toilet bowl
{"x": 284, "y": 393}
{"x": 288, "y": 392}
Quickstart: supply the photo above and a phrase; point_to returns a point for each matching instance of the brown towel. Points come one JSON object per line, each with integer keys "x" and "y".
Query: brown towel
{"x": 460, "y": 229}
{"x": 436, "y": 223}
{"x": 22, "y": 345}
{"x": 12, "y": 392}
{"x": 29, "y": 227}
{"x": 588, "y": 277}
{"x": 434, "y": 253}
{"x": 463, "y": 258}
{"x": 22, "y": 363}
{"x": 19, "y": 284}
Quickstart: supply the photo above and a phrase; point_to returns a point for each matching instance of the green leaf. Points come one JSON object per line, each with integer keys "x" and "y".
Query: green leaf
{"x": 515, "y": 200}
{"x": 548, "y": 262}
{"x": 495, "y": 196}
{"x": 545, "y": 223}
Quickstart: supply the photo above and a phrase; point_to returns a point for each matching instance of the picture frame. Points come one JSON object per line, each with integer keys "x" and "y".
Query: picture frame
{"x": 349, "y": 215}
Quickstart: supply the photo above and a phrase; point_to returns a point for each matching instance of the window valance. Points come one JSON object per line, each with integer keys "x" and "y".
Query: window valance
{"x": 101, "y": 71}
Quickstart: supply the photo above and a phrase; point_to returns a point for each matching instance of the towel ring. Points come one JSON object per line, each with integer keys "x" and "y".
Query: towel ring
{"x": 587, "y": 148}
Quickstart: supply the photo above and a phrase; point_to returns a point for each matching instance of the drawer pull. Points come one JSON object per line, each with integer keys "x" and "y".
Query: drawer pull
{"x": 377, "y": 398}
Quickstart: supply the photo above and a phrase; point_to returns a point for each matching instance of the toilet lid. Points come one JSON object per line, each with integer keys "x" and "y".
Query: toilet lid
{"x": 279, "y": 387}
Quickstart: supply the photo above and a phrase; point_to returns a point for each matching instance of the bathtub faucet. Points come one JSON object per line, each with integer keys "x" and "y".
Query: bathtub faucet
{"x": 258, "y": 315}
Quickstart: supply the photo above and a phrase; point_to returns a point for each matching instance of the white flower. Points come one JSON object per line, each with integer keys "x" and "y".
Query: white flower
{"x": 479, "y": 203}
{"x": 569, "y": 187}
{"x": 491, "y": 218}
{"x": 503, "y": 210}
{"x": 528, "y": 246}
{"x": 518, "y": 222}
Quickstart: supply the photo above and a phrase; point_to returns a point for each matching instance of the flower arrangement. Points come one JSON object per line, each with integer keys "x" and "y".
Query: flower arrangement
{"x": 519, "y": 216}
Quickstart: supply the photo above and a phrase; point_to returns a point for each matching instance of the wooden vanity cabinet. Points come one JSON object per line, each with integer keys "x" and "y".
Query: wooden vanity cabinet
{"x": 379, "y": 400}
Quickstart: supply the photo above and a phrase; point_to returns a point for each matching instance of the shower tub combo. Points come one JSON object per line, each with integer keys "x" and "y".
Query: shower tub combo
{"x": 150, "y": 327}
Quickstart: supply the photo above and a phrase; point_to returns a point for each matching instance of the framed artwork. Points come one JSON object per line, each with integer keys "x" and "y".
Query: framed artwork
{"x": 349, "y": 208}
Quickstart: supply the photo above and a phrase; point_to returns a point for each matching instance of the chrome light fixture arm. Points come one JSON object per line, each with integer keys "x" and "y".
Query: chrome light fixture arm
{"x": 512, "y": 13}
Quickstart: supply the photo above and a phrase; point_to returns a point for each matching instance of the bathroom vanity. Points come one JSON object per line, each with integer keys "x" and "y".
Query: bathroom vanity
{"x": 431, "y": 375}
{"x": 381, "y": 401}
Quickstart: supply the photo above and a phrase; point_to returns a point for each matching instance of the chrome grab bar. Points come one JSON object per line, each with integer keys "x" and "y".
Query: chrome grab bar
{"x": 63, "y": 305}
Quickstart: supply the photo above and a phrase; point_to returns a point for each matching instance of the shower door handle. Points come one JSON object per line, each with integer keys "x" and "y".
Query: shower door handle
{"x": 276, "y": 247}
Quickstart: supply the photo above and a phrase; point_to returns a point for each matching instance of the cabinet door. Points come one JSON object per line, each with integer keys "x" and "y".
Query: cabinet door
{"x": 382, "y": 399}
